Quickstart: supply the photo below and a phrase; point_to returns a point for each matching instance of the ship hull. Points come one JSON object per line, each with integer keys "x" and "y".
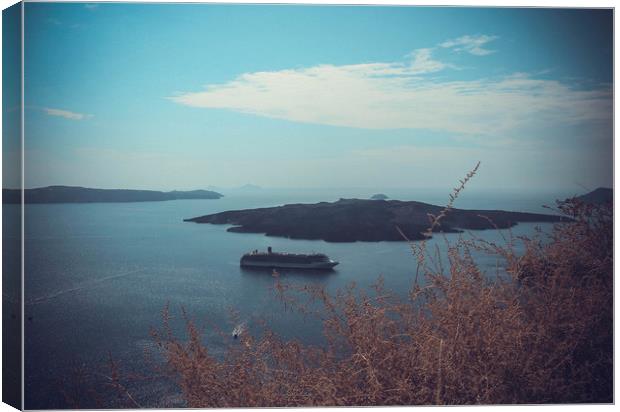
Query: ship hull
{"x": 291, "y": 265}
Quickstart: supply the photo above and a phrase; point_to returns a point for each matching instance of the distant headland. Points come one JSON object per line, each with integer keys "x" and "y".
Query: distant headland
{"x": 350, "y": 220}
{"x": 599, "y": 195}
{"x": 76, "y": 194}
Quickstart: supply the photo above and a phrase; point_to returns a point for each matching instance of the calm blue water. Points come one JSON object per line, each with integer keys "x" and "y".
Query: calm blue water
{"x": 99, "y": 275}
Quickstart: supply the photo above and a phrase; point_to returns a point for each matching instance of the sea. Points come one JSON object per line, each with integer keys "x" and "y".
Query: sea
{"x": 99, "y": 275}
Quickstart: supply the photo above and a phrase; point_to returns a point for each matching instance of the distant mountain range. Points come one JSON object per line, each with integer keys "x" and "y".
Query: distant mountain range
{"x": 250, "y": 187}
{"x": 247, "y": 188}
{"x": 76, "y": 194}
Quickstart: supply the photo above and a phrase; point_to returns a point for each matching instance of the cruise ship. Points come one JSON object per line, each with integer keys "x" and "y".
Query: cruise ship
{"x": 271, "y": 259}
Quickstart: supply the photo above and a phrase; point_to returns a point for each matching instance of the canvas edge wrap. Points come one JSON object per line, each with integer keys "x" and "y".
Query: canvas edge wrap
{"x": 12, "y": 216}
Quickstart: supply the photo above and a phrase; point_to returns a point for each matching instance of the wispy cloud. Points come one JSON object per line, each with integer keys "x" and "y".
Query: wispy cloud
{"x": 405, "y": 95}
{"x": 91, "y": 6}
{"x": 470, "y": 44}
{"x": 66, "y": 114}
{"x": 423, "y": 62}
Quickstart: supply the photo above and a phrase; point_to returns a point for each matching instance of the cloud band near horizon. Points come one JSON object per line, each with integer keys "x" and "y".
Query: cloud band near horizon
{"x": 66, "y": 114}
{"x": 398, "y": 95}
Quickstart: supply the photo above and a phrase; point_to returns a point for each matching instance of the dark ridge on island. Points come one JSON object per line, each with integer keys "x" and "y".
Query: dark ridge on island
{"x": 350, "y": 220}
{"x": 379, "y": 196}
{"x": 76, "y": 194}
{"x": 597, "y": 196}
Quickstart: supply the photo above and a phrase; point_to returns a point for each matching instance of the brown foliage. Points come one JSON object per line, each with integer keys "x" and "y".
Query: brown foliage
{"x": 538, "y": 332}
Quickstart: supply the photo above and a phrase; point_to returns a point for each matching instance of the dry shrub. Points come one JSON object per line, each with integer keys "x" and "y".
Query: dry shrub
{"x": 538, "y": 332}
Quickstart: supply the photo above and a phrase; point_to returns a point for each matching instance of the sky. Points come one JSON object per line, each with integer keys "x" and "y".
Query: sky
{"x": 181, "y": 96}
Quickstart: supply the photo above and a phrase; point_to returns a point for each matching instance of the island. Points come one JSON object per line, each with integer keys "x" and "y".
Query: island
{"x": 350, "y": 220}
{"x": 379, "y": 196}
{"x": 76, "y": 194}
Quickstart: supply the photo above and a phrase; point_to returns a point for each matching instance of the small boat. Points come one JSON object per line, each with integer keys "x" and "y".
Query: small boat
{"x": 238, "y": 330}
{"x": 271, "y": 259}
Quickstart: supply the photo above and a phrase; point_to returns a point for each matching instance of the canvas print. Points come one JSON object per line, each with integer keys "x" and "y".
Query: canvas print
{"x": 269, "y": 205}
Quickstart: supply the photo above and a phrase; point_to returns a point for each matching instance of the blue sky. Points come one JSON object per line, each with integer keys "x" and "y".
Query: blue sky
{"x": 185, "y": 96}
